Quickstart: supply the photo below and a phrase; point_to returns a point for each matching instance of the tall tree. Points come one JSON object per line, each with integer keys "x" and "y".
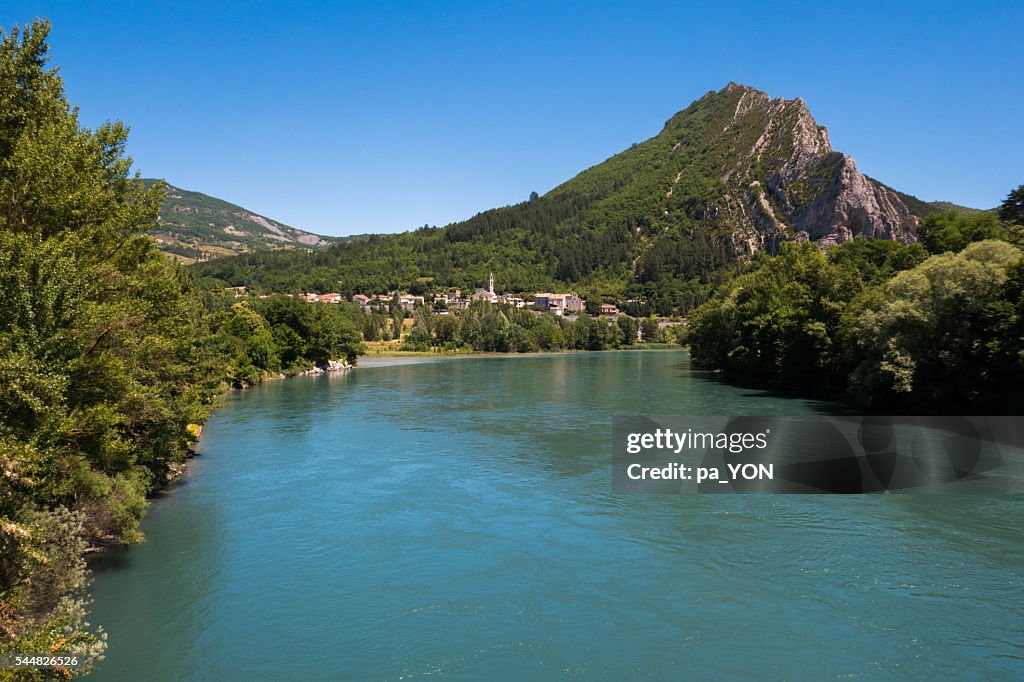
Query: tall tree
{"x": 1012, "y": 208}
{"x": 98, "y": 349}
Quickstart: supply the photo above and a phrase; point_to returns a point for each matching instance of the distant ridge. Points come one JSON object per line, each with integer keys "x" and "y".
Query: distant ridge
{"x": 196, "y": 227}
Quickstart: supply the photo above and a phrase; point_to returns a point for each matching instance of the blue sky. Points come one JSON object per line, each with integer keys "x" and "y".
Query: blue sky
{"x": 343, "y": 118}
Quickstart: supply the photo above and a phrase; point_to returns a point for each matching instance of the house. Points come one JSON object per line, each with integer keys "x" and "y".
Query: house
{"x": 330, "y": 298}
{"x": 378, "y": 302}
{"x": 609, "y": 309}
{"x": 361, "y": 299}
{"x": 409, "y": 302}
{"x": 541, "y": 300}
{"x": 559, "y": 304}
{"x": 311, "y": 298}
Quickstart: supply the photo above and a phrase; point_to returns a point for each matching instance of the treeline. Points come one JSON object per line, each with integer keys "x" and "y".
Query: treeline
{"x": 251, "y": 341}
{"x": 108, "y": 353}
{"x": 935, "y": 327}
{"x": 505, "y": 329}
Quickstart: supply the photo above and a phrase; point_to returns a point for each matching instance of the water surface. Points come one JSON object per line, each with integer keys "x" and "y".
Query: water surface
{"x": 453, "y": 519}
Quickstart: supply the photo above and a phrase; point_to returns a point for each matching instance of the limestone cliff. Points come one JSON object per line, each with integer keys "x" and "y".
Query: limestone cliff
{"x": 734, "y": 173}
{"x": 782, "y": 179}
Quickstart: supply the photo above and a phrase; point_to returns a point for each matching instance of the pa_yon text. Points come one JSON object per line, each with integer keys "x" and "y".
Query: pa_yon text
{"x": 683, "y": 472}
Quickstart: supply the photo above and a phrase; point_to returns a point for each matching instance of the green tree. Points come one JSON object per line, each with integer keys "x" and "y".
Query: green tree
{"x": 98, "y": 349}
{"x": 1012, "y": 209}
{"x": 952, "y": 230}
{"x": 447, "y": 328}
{"x": 921, "y": 341}
{"x": 627, "y": 330}
{"x": 779, "y": 324}
{"x": 650, "y": 330}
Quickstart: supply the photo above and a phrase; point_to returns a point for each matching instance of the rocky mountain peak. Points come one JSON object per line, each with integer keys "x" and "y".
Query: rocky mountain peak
{"x": 784, "y": 180}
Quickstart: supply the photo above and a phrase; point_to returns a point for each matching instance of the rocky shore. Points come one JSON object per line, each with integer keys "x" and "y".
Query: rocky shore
{"x": 329, "y": 366}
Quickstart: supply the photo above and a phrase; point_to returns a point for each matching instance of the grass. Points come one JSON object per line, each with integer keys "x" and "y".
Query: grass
{"x": 394, "y": 348}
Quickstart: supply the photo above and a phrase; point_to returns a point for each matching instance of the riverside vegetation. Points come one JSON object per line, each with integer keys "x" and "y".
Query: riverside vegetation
{"x": 878, "y": 324}
{"x": 503, "y": 329}
{"x": 110, "y": 352}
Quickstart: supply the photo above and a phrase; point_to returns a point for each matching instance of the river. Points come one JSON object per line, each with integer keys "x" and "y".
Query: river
{"x": 453, "y": 519}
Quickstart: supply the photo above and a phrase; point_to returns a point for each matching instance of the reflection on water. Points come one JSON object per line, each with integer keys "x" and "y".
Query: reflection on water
{"x": 454, "y": 518}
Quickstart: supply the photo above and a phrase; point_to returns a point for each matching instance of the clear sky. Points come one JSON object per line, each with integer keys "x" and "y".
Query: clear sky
{"x": 343, "y": 118}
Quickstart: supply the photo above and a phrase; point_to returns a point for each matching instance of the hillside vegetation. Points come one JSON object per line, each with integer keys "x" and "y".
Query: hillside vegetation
{"x": 733, "y": 174}
{"x": 193, "y": 226}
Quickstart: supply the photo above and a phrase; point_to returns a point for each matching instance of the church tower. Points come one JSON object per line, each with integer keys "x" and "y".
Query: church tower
{"x": 490, "y": 284}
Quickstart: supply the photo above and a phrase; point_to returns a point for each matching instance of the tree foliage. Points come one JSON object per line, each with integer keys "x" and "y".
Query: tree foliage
{"x": 95, "y": 386}
{"x": 506, "y": 329}
{"x": 875, "y": 324}
{"x": 1012, "y": 209}
{"x": 953, "y": 230}
{"x": 108, "y": 352}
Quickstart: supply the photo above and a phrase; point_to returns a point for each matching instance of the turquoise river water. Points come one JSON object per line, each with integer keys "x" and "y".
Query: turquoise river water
{"x": 453, "y": 519}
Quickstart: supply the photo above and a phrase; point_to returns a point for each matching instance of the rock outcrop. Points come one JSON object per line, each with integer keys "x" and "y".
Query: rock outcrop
{"x": 852, "y": 205}
{"x": 329, "y": 366}
{"x": 783, "y": 181}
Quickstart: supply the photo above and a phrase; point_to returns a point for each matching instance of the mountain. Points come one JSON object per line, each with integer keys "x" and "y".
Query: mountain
{"x": 734, "y": 173}
{"x": 755, "y": 169}
{"x": 197, "y": 227}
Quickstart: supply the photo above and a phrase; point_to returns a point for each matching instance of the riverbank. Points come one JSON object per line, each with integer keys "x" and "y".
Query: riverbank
{"x": 177, "y": 471}
{"x": 387, "y": 349}
{"x": 394, "y": 348}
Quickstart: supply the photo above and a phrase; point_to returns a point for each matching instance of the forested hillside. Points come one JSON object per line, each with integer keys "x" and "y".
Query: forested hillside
{"x": 734, "y": 174}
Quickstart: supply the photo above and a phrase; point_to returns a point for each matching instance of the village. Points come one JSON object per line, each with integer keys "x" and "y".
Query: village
{"x": 448, "y": 301}
{"x": 568, "y": 305}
